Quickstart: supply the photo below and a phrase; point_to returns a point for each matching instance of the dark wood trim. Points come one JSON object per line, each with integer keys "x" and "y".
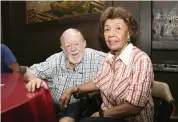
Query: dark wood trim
{"x": 165, "y": 45}
{"x": 145, "y": 27}
{"x": 165, "y": 67}
{"x": 5, "y": 23}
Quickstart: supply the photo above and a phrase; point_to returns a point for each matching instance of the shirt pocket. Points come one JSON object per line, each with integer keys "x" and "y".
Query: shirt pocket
{"x": 89, "y": 75}
{"x": 57, "y": 82}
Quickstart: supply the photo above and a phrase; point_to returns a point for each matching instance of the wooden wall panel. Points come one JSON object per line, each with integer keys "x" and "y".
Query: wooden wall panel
{"x": 132, "y": 6}
{"x": 33, "y": 43}
{"x": 165, "y": 56}
{"x": 39, "y": 43}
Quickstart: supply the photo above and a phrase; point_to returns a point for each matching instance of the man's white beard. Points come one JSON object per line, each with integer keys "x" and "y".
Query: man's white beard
{"x": 74, "y": 61}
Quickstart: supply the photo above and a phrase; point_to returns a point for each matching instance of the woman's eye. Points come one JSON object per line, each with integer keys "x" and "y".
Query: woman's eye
{"x": 118, "y": 28}
{"x": 106, "y": 29}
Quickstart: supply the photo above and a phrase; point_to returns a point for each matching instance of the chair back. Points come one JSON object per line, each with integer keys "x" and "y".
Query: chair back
{"x": 163, "y": 101}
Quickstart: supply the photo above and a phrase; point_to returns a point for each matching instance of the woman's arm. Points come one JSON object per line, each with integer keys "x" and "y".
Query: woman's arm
{"x": 85, "y": 87}
{"x": 123, "y": 110}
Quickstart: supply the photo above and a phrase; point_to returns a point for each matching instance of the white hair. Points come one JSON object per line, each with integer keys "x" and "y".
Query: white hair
{"x": 70, "y": 31}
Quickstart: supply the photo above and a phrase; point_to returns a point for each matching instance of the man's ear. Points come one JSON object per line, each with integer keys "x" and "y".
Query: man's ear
{"x": 62, "y": 47}
{"x": 84, "y": 43}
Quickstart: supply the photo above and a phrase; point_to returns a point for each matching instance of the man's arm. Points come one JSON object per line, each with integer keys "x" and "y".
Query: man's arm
{"x": 28, "y": 76}
{"x": 9, "y": 59}
{"x": 14, "y": 67}
{"x": 37, "y": 72}
{"x": 33, "y": 82}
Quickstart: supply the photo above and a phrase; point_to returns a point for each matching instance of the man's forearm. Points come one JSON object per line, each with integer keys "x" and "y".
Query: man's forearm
{"x": 15, "y": 67}
{"x": 28, "y": 76}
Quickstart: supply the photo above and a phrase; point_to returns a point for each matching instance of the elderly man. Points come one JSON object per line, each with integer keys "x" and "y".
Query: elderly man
{"x": 71, "y": 67}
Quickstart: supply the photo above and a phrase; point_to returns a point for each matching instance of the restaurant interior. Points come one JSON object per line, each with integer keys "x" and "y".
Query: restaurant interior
{"x": 32, "y": 29}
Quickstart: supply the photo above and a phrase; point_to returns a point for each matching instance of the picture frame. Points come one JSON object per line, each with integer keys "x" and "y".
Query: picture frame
{"x": 44, "y": 11}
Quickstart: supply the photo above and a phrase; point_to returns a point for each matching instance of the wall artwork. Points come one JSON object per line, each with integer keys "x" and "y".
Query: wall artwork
{"x": 165, "y": 21}
{"x": 41, "y": 11}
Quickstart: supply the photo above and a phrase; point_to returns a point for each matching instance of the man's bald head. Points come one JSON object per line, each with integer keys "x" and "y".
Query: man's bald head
{"x": 70, "y": 32}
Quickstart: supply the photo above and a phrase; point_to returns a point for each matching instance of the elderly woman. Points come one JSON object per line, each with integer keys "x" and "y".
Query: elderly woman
{"x": 125, "y": 78}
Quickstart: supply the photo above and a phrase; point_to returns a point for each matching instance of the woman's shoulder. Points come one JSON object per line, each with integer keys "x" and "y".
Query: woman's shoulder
{"x": 138, "y": 54}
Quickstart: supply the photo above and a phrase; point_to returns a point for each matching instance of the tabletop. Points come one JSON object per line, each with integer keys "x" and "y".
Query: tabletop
{"x": 19, "y": 105}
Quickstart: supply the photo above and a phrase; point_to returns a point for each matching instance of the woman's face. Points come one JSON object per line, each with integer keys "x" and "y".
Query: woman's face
{"x": 116, "y": 34}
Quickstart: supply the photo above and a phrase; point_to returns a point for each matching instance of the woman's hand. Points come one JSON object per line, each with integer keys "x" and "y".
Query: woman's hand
{"x": 96, "y": 114}
{"x": 65, "y": 98}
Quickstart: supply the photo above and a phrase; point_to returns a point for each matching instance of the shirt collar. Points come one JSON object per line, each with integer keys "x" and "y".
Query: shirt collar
{"x": 63, "y": 60}
{"x": 125, "y": 55}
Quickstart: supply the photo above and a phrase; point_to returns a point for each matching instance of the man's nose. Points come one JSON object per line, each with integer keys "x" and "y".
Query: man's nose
{"x": 73, "y": 48}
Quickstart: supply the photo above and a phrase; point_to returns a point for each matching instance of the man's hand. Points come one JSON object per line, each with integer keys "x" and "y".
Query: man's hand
{"x": 96, "y": 114}
{"x": 36, "y": 83}
{"x": 65, "y": 98}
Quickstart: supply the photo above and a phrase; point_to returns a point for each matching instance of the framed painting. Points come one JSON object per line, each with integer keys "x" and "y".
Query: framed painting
{"x": 42, "y": 11}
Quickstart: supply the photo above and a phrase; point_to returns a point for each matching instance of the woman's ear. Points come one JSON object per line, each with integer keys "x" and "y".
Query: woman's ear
{"x": 128, "y": 36}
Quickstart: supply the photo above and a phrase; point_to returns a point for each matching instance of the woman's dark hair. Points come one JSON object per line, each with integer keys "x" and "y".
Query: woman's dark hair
{"x": 118, "y": 12}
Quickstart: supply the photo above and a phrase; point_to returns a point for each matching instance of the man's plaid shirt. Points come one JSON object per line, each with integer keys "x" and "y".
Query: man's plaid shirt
{"x": 60, "y": 78}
